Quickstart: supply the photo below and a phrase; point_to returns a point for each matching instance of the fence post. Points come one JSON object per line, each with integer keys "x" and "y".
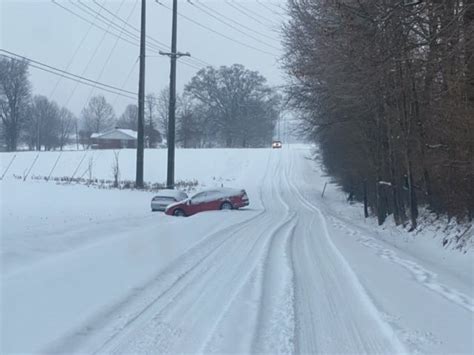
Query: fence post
{"x": 366, "y": 208}
{"x": 31, "y": 167}
{"x": 78, "y": 166}
{"x": 54, "y": 166}
{"x": 8, "y": 167}
{"x": 324, "y": 189}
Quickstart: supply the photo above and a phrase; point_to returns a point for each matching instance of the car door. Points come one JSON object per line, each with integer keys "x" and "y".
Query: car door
{"x": 212, "y": 201}
{"x": 197, "y": 202}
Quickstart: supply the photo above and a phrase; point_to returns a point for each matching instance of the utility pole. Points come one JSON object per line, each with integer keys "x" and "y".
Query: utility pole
{"x": 141, "y": 101}
{"x": 174, "y": 55}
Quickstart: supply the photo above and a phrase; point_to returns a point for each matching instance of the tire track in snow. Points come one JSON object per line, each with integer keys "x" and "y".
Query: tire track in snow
{"x": 230, "y": 288}
{"x": 177, "y": 305}
{"x": 122, "y": 316}
{"x": 195, "y": 273}
{"x": 387, "y": 341}
{"x": 252, "y": 297}
{"x": 420, "y": 274}
{"x": 251, "y": 285}
{"x": 275, "y": 326}
{"x": 190, "y": 301}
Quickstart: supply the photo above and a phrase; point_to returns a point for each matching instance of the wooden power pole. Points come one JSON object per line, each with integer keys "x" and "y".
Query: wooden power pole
{"x": 141, "y": 102}
{"x": 174, "y": 55}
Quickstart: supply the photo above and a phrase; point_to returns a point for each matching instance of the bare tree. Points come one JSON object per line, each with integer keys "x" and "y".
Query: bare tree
{"x": 14, "y": 99}
{"x": 162, "y": 109}
{"x": 153, "y": 135}
{"x": 43, "y": 124}
{"x": 383, "y": 90}
{"x": 67, "y": 126}
{"x": 98, "y": 115}
{"x": 129, "y": 118}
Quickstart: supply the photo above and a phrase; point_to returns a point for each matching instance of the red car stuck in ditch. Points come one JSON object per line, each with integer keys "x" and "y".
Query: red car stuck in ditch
{"x": 209, "y": 200}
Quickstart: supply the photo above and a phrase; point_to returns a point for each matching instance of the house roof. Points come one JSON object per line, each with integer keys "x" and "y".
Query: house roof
{"x": 128, "y": 132}
{"x": 117, "y": 133}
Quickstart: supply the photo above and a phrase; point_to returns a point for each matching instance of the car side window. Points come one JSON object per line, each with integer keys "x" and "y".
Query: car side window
{"x": 211, "y": 195}
{"x": 199, "y": 198}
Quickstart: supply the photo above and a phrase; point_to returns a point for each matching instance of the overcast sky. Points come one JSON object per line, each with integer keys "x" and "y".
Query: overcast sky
{"x": 43, "y": 31}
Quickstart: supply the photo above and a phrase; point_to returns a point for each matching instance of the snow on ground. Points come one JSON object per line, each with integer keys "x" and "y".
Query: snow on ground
{"x": 92, "y": 270}
{"x": 40, "y": 218}
{"x": 212, "y": 168}
{"x": 80, "y": 248}
{"x": 389, "y": 262}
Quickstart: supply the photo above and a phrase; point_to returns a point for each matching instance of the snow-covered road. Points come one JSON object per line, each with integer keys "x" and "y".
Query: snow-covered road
{"x": 289, "y": 275}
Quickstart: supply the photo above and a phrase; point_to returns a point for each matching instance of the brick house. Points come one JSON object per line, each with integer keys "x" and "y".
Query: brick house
{"x": 116, "y": 138}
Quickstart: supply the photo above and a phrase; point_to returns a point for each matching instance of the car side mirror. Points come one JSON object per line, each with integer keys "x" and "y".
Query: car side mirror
{"x": 188, "y": 202}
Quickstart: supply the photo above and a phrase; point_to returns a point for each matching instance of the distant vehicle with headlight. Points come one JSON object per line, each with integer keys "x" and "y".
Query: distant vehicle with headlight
{"x": 164, "y": 198}
{"x": 276, "y": 144}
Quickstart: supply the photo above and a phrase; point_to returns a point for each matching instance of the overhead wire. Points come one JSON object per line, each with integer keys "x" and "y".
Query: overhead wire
{"x": 96, "y": 49}
{"x": 112, "y": 50}
{"x": 73, "y": 57}
{"x": 111, "y": 24}
{"x": 193, "y": 58}
{"x": 209, "y": 13}
{"x": 127, "y": 78}
{"x": 249, "y": 14}
{"x": 152, "y": 47}
{"x": 269, "y": 8}
{"x": 68, "y": 75}
{"x": 88, "y": 21}
{"x": 219, "y": 33}
{"x": 237, "y": 22}
{"x": 148, "y": 36}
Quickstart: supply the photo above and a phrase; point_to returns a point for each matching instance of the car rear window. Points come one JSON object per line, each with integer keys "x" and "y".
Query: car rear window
{"x": 166, "y": 198}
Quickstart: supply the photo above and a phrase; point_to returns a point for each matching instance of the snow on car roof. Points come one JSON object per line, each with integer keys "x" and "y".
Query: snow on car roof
{"x": 225, "y": 191}
{"x": 171, "y": 193}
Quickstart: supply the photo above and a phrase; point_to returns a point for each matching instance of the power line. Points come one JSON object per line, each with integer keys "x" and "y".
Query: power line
{"x": 106, "y": 31}
{"x": 67, "y": 75}
{"x": 128, "y": 24}
{"x": 238, "y": 23}
{"x": 269, "y": 8}
{"x": 112, "y": 51}
{"x": 91, "y": 12}
{"x": 218, "y": 33}
{"x": 152, "y": 47}
{"x": 127, "y": 78}
{"x": 249, "y": 14}
{"x": 88, "y": 21}
{"x": 72, "y": 58}
{"x": 232, "y": 26}
{"x": 147, "y": 36}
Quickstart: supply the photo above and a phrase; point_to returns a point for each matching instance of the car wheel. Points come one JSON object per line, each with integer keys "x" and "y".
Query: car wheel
{"x": 226, "y": 206}
{"x": 179, "y": 213}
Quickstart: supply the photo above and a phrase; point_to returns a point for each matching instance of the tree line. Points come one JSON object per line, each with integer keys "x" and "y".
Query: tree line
{"x": 219, "y": 107}
{"x": 386, "y": 89}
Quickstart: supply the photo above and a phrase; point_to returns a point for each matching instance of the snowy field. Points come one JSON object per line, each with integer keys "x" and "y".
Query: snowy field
{"x": 93, "y": 270}
{"x": 219, "y": 166}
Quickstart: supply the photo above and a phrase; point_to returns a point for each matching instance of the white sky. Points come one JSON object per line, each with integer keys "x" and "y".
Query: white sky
{"x": 43, "y": 31}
